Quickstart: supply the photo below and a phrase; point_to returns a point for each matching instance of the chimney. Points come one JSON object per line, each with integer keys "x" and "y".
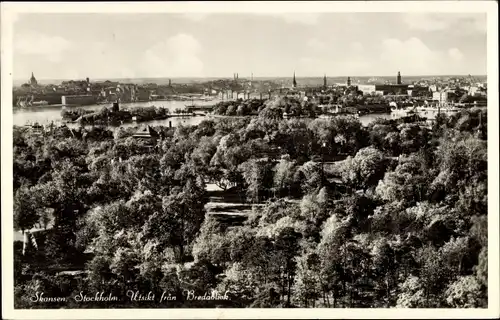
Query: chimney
{"x": 116, "y": 106}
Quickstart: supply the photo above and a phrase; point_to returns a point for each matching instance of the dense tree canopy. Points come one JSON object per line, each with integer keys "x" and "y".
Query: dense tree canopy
{"x": 401, "y": 221}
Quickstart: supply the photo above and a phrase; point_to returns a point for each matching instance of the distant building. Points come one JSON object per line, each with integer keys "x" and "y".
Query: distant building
{"x": 80, "y": 100}
{"x": 324, "y": 82}
{"x": 473, "y": 90}
{"x": 126, "y": 93}
{"x": 418, "y": 91}
{"x": 440, "y": 96}
{"x": 143, "y": 94}
{"x": 33, "y": 81}
{"x": 294, "y": 83}
{"x": 108, "y": 83}
{"x": 348, "y": 81}
{"x": 112, "y": 96}
{"x": 393, "y": 89}
{"x": 366, "y": 88}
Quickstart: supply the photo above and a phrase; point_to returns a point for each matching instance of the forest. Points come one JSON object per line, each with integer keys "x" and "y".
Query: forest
{"x": 292, "y": 106}
{"x": 337, "y": 215}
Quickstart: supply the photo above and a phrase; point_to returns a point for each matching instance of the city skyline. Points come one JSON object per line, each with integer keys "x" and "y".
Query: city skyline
{"x": 381, "y": 78}
{"x": 200, "y": 45}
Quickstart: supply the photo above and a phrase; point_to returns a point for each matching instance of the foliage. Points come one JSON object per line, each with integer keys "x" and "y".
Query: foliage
{"x": 401, "y": 221}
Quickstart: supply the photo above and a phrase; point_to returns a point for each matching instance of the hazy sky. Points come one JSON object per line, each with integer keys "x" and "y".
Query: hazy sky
{"x": 71, "y": 46}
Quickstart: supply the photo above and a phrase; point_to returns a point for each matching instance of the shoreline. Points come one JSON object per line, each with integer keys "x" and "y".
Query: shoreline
{"x": 52, "y": 106}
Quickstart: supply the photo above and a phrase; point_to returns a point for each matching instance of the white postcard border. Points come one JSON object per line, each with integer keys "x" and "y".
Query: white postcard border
{"x": 9, "y": 11}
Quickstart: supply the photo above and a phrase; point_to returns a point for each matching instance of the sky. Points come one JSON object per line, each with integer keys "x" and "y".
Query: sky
{"x": 170, "y": 45}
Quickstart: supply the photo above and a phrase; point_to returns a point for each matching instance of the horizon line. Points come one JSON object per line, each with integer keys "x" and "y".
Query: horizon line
{"x": 257, "y": 77}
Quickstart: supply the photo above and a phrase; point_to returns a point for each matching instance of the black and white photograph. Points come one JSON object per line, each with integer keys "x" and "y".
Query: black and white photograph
{"x": 257, "y": 155}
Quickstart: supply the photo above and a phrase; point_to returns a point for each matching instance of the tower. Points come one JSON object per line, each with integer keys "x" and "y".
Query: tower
{"x": 348, "y": 81}
{"x": 324, "y": 81}
{"x": 169, "y": 82}
{"x": 33, "y": 81}
{"x": 116, "y": 106}
{"x": 294, "y": 81}
{"x": 399, "y": 78}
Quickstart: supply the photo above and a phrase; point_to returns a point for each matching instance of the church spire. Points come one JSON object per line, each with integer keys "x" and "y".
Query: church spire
{"x": 294, "y": 81}
{"x": 33, "y": 79}
{"x": 324, "y": 81}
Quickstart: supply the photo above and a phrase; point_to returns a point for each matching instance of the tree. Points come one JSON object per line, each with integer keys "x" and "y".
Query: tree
{"x": 434, "y": 275}
{"x": 25, "y": 208}
{"x": 239, "y": 278}
{"x": 481, "y": 269}
{"x": 258, "y": 177}
{"x": 463, "y": 173}
{"x": 231, "y": 110}
{"x": 228, "y": 157}
{"x": 413, "y": 137}
{"x": 123, "y": 264}
{"x": 271, "y": 113}
{"x": 315, "y": 208}
{"x": 408, "y": 181}
{"x": 385, "y": 270}
{"x": 334, "y": 235}
{"x": 286, "y": 244}
{"x": 212, "y": 244}
{"x": 411, "y": 293}
{"x": 465, "y": 292}
{"x": 365, "y": 169}
{"x": 283, "y": 176}
{"x": 295, "y": 139}
{"x": 454, "y": 252}
{"x": 242, "y": 110}
{"x": 202, "y": 276}
{"x": 307, "y": 283}
{"x": 180, "y": 219}
{"x": 341, "y": 134}
{"x": 312, "y": 176}
{"x": 273, "y": 211}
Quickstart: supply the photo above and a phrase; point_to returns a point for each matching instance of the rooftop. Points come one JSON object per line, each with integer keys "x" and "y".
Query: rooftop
{"x": 146, "y": 132}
